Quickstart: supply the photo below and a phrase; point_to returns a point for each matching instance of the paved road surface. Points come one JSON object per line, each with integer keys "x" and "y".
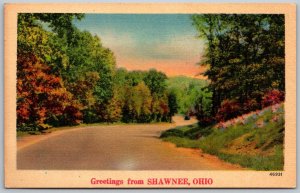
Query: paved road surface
{"x": 116, "y": 147}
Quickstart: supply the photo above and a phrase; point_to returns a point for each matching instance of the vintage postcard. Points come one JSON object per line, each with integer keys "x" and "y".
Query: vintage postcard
{"x": 165, "y": 95}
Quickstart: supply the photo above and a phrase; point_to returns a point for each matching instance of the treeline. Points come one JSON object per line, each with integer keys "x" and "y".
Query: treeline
{"x": 144, "y": 96}
{"x": 66, "y": 76}
{"x": 245, "y": 62}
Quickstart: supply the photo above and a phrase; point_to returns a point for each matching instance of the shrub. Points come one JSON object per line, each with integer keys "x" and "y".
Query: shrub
{"x": 228, "y": 110}
{"x": 206, "y": 121}
{"x": 172, "y": 132}
{"x": 72, "y": 114}
{"x": 90, "y": 116}
{"x": 198, "y": 132}
{"x": 250, "y": 105}
{"x": 272, "y": 97}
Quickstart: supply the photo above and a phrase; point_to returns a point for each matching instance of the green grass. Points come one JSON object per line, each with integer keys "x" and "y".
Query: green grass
{"x": 252, "y": 145}
{"x": 257, "y": 162}
{"x": 25, "y": 133}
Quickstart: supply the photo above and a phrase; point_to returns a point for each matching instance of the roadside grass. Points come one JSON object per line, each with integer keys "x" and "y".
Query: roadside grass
{"x": 22, "y": 133}
{"x": 257, "y": 143}
{"x": 257, "y": 162}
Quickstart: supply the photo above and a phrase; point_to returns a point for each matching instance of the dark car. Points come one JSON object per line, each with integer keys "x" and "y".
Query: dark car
{"x": 187, "y": 117}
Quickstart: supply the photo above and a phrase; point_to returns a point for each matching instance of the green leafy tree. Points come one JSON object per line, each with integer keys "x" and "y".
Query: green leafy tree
{"x": 244, "y": 54}
{"x": 172, "y": 104}
{"x": 156, "y": 81}
{"x": 138, "y": 104}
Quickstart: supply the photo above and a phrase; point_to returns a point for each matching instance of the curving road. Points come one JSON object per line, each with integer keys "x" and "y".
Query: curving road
{"x": 116, "y": 147}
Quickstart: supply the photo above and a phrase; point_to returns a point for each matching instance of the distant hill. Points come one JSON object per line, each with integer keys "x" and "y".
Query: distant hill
{"x": 187, "y": 90}
{"x": 184, "y": 82}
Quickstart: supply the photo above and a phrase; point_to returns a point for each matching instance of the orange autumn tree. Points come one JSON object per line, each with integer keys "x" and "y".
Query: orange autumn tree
{"x": 41, "y": 95}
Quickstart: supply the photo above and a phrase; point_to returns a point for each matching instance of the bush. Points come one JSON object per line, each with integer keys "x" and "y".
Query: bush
{"x": 272, "y": 97}
{"x": 72, "y": 115}
{"x": 33, "y": 128}
{"x": 27, "y": 127}
{"x": 250, "y": 105}
{"x": 206, "y": 121}
{"x": 90, "y": 116}
{"x": 172, "y": 132}
{"x": 228, "y": 110}
{"x": 198, "y": 132}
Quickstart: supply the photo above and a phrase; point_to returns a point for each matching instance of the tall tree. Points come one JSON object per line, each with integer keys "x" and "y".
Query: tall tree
{"x": 244, "y": 55}
{"x": 41, "y": 94}
{"x": 41, "y": 56}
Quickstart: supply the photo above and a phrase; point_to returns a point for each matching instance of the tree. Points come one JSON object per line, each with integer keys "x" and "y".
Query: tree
{"x": 156, "y": 81}
{"x": 138, "y": 104}
{"x": 111, "y": 111}
{"x": 83, "y": 88}
{"x": 133, "y": 78}
{"x": 48, "y": 45}
{"x": 41, "y": 94}
{"x": 172, "y": 104}
{"x": 66, "y": 76}
{"x": 41, "y": 57}
{"x": 244, "y": 54}
{"x": 87, "y": 54}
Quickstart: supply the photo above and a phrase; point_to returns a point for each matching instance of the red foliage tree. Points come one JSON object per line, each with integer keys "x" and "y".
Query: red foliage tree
{"x": 40, "y": 92}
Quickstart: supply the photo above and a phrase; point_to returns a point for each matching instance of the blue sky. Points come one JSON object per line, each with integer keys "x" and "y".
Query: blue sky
{"x": 142, "y": 41}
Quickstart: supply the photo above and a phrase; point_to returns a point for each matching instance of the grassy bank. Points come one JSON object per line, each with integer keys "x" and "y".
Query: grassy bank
{"x": 254, "y": 141}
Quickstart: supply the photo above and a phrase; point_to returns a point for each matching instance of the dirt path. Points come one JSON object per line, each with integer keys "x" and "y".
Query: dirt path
{"x": 116, "y": 147}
